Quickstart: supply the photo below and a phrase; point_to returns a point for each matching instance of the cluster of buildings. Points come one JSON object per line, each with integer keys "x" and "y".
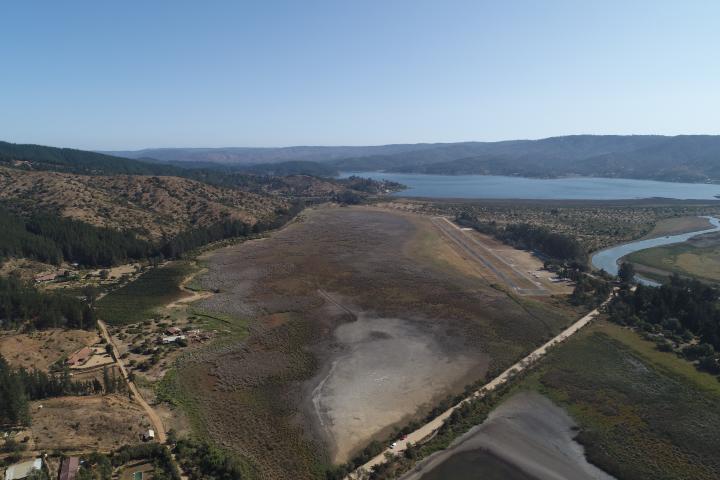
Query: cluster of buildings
{"x": 69, "y": 468}
{"x": 175, "y": 334}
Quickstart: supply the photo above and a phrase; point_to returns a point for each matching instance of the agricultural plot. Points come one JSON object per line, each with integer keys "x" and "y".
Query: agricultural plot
{"x": 359, "y": 320}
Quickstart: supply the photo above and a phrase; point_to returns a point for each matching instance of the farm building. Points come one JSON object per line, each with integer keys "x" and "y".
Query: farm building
{"x": 46, "y": 277}
{"x": 172, "y": 339}
{"x": 80, "y": 357}
{"x": 21, "y": 470}
{"x": 69, "y": 468}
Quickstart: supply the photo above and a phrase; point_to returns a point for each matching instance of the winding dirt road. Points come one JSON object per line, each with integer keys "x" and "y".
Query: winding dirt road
{"x": 431, "y": 427}
{"x": 158, "y": 426}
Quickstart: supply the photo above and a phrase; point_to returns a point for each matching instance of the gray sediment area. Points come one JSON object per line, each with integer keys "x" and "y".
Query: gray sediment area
{"x": 526, "y": 437}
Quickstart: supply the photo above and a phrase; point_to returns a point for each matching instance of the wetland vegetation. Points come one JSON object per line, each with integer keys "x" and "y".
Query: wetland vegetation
{"x": 332, "y": 301}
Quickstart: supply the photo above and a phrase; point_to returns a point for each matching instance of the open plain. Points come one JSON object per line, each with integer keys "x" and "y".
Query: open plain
{"x": 359, "y": 320}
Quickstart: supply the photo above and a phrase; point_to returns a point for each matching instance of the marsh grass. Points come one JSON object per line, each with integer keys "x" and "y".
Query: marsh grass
{"x": 140, "y": 299}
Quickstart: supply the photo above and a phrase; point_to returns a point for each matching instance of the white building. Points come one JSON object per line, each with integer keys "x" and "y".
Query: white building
{"x": 21, "y": 470}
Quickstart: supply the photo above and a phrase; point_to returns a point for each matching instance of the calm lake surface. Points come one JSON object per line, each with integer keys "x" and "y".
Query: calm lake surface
{"x": 577, "y": 188}
{"x": 608, "y": 259}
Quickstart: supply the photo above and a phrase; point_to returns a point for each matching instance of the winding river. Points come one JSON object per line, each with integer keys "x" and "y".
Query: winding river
{"x": 608, "y": 259}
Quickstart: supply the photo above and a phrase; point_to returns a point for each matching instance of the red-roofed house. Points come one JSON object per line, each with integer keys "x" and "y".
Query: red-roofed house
{"x": 69, "y": 468}
{"x": 80, "y": 357}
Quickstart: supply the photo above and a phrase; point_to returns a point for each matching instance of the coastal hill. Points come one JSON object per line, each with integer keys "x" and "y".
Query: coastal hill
{"x": 688, "y": 158}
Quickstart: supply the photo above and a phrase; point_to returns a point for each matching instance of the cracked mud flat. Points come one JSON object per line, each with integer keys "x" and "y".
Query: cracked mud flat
{"x": 386, "y": 371}
{"x": 527, "y": 437}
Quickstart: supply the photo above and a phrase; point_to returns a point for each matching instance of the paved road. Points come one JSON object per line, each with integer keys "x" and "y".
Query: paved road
{"x": 431, "y": 427}
{"x": 158, "y": 426}
{"x": 483, "y": 255}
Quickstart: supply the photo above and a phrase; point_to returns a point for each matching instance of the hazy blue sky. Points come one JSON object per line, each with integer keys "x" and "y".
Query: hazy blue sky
{"x": 126, "y": 74}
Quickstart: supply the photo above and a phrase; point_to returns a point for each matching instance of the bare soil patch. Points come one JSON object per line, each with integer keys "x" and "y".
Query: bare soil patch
{"x": 101, "y": 423}
{"x": 41, "y": 349}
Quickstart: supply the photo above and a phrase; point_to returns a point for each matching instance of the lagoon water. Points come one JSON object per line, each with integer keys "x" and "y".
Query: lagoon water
{"x": 608, "y": 259}
{"x": 575, "y": 188}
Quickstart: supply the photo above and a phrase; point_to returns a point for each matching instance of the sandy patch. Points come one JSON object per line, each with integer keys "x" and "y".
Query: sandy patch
{"x": 388, "y": 367}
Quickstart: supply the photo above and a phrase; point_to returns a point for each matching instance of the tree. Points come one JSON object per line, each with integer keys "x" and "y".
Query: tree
{"x": 626, "y": 272}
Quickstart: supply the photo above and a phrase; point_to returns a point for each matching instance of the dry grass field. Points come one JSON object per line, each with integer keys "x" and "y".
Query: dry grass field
{"x": 40, "y": 349}
{"x": 360, "y": 319}
{"x": 100, "y": 423}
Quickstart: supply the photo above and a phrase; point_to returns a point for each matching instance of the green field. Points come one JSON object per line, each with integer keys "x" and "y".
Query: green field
{"x": 138, "y": 300}
{"x": 686, "y": 259}
{"x": 643, "y": 413}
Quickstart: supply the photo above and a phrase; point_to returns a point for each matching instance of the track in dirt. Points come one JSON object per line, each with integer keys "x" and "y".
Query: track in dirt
{"x": 488, "y": 260}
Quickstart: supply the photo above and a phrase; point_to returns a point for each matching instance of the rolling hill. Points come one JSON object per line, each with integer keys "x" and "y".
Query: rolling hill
{"x": 154, "y": 206}
{"x": 690, "y": 158}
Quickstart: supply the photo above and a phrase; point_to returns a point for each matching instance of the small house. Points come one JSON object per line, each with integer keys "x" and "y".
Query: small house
{"x": 149, "y": 435}
{"x": 172, "y": 339}
{"x": 173, "y": 331}
{"x": 80, "y": 357}
{"x": 46, "y": 277}
{"x": 21, "y": 470}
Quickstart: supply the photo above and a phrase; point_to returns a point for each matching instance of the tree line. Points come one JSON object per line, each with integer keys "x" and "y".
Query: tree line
{"x": 53, "y": 239}
{"x": 682, "y": 309}
{"x": 21, "y": 303}
{"x": 555, "y": 246}
{"x": 19, "y": 386}
{"x": 100, "y": 466}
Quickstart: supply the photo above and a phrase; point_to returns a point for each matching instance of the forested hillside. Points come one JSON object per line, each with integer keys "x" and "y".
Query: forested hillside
{"x": 40, "y": 157}
{"x": 155, "y": 207}
{"x": 21, "y": 303}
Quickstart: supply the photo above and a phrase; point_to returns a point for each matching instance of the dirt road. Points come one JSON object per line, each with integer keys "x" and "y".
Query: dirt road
{"x": 469, "y": 246}
{"x": 429, "y": 428}
{"x": 194, "y": 295}
{"x": 158, "y": 426}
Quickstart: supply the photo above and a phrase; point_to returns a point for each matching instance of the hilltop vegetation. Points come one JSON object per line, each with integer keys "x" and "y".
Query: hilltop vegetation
{"x": 70, "y": 160}
{"x": 155, "y": 207}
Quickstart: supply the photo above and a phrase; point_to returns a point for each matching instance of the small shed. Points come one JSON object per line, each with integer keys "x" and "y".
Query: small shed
{"x": 173, "y": 331}
{"x": 149, "y": 435}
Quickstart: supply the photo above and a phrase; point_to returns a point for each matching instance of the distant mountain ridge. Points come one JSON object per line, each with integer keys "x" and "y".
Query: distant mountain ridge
{"x": 688, "y": 158}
